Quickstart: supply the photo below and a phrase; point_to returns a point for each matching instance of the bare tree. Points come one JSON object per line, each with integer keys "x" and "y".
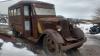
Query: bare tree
{"x": 97, "y": 14}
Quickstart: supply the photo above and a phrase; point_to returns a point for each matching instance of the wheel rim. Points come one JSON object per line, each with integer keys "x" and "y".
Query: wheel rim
{"x": 51, "y": 45}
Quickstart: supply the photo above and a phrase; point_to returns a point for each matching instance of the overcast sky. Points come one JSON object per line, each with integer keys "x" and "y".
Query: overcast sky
{"x": 68, "y": 8}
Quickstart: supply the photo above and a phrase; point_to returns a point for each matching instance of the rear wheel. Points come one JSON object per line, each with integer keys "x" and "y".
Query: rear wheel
{"x": 51, "y": 47}
{"x": 15, "y": 32}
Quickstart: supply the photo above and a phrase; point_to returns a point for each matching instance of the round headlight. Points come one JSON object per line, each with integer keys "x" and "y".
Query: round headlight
{"x": 59, "y": 28}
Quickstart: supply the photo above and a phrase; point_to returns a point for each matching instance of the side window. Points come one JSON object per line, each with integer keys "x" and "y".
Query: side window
{"x": 14, "y": 12}
{"x": 27, "y": 25}
{"x": 18, "y": 11}
{"x": 9, "y": 12}
{"x": 26, "y": 10}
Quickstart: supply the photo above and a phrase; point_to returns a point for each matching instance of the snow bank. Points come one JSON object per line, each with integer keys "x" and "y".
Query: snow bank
{"x": 85, "y": 27}
{"x": 9, "y": 50}
{"x": 3, "y": 23}
{"x": 1, "y": 41}
{"x": 9, "y": 32}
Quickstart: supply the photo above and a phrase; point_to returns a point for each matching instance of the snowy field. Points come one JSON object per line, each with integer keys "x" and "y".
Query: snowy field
{"x": 8, "y": 49}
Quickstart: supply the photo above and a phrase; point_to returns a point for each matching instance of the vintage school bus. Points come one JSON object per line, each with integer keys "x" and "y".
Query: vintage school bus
{"x": 36, "y": 21}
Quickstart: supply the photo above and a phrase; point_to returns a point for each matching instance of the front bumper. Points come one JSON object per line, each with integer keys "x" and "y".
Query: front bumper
{"x": 67, "y": 47}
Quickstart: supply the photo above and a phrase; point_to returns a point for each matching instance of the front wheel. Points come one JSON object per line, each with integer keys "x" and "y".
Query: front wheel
{"x": 50, "y": 46}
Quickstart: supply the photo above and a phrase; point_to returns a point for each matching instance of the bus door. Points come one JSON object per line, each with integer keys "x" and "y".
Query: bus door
{"x": 27, "y": 22}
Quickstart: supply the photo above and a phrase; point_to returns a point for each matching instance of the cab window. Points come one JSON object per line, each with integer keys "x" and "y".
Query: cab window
{"x": 9, "y": 12}
{"x": 18, "y": 11}
{"x": 14, "y": 12}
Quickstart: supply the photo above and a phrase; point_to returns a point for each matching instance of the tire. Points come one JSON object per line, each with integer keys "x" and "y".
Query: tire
{"x": 15, "y": 32}
{"x": 73, "y": 52}
{"x": 50, "y": 46}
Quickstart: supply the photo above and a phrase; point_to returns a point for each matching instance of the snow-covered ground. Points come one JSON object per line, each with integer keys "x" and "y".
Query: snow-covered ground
{"x": 8, "y": 49}
{"x": 91, "y": 47}
{"x": 85, "y": 27}
{"x": 3, "y": 23}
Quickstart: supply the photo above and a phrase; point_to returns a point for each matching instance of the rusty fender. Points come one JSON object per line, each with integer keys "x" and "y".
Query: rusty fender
{"x": 58, "y": 38}
{"x": 67, "y": 47}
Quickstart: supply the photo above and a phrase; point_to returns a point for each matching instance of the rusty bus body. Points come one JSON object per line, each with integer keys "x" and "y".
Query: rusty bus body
{"x": 37, "y": 22}
{"x": 19, "y": 20}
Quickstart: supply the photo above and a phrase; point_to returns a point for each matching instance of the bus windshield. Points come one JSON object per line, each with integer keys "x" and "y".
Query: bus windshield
{"x": 45, "y": 11}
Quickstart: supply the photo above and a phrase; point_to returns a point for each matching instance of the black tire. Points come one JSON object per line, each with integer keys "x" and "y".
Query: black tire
{"x": 15, "y": 32}
{"x": 73, "y": 52}
{"x": 91, "y": 32}
{"x": 55, "y": 50}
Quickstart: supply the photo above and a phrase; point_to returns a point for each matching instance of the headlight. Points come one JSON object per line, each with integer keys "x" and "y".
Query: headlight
{"x": 59, "y": 28}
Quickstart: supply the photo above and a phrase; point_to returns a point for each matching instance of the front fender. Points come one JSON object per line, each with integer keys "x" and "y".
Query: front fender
{"x": 58, "y": 38}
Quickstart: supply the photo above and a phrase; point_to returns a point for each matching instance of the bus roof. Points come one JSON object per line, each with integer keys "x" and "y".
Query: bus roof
{"x": 37, "y": 3}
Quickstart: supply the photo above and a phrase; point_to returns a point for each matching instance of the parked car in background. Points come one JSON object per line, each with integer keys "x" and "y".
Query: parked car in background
{"x": 95, "y": 29}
